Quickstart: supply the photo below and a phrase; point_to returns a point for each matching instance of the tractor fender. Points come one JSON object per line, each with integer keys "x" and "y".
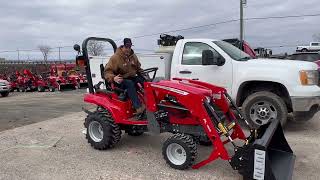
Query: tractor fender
{"x": 106, "y": 103}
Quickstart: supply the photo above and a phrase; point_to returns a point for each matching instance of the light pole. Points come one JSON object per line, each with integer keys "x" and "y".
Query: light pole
{"x": 18, "y": 54}
{"x": 242, "y": 3}
{"x": 59, "y": 54}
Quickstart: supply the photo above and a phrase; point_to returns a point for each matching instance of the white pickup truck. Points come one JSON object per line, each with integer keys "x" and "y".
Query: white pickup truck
{"x": 314, "y": 46}
{"x": 265, "y": 88}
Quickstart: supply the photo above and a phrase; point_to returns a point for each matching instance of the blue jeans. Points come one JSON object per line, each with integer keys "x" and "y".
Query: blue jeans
{"x": 130, "y": 85}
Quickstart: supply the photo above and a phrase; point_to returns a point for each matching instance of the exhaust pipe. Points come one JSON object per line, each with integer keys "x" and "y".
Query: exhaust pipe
{"x": 268, "y": 157}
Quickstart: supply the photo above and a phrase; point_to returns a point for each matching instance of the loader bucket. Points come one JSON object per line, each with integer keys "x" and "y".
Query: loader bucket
{"x": 268, "y": 157}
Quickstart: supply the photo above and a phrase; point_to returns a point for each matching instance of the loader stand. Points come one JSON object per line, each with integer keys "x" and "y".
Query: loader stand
{"x": 219, "y": 151}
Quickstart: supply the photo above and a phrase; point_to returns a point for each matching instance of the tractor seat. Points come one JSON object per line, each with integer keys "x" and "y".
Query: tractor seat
{"x": 122, "y": 94}
{"x": 111, "y": 88}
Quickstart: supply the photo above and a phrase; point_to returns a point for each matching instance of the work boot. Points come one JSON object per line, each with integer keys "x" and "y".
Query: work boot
{"x": 140, "y": 109}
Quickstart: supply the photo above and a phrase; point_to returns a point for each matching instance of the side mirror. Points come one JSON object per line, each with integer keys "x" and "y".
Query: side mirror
{"x": 220, "y": 61}
{"x": 77, "y": 48}
{"x": 208, "y": 58}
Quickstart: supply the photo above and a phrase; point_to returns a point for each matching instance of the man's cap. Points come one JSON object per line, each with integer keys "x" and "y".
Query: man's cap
{"x": 127, "y": 42}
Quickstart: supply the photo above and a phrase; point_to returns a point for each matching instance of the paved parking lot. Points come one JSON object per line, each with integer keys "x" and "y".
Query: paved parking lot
{"x": 55, "y": 148}
{"x": 26, "y": 108}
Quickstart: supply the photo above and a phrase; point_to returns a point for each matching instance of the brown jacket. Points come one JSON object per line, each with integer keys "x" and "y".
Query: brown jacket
{"x": 119, "y": 63}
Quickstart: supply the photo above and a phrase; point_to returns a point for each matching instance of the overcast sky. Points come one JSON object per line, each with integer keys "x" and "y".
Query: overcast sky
{"x": 27, "y": 24}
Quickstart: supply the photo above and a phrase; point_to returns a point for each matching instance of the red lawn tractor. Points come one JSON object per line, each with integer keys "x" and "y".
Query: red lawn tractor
{"x": 195, "y": 113}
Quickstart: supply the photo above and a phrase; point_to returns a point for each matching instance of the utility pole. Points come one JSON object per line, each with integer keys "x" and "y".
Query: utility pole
{"x": 59, "y": 54}
{"x": 241, "y": 20}
{"x": 18, "y": 54}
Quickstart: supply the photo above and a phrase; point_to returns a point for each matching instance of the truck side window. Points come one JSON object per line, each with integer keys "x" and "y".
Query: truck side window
{"x": 314, "y": 44}
{"x": 192, "y": 53}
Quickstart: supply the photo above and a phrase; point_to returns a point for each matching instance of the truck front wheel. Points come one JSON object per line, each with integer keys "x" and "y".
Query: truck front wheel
{"x": 262, "y": 107}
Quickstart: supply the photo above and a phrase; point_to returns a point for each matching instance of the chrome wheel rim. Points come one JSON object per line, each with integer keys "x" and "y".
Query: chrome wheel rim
{"x": 95, "y": 131}
{"x": 263, "y": 112}
{"x": 176, "y": 154}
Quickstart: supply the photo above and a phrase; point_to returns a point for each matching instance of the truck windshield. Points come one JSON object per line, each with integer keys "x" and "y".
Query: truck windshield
{"x": 232, "y": 51}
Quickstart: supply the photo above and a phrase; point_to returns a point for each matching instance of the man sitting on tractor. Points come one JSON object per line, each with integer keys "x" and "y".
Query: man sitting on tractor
{"x": 122, "y": 70}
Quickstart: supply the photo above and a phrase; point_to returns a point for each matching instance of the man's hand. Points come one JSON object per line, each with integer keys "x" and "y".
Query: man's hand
{"x": 118, "y": 79}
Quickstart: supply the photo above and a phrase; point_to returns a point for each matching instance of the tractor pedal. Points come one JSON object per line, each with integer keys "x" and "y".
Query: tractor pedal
{"x": 140, "y": 117}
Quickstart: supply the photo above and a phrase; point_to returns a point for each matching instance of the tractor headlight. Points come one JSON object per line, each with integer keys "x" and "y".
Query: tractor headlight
{"x": 310, "y": 77}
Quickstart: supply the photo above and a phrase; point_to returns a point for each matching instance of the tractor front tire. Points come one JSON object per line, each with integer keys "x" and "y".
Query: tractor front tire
{"x": 180, "y": 151}
{"x": 51, "y": 89}
{"x": 102, "y": 132}
{"x": 41, "y": 89}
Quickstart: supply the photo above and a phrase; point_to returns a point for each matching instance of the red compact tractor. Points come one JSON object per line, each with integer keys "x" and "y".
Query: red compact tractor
{"x": 59, "y": 77}
{"x": 78, "y": 80}
{"x": 195, "y": 113}
{"x": 29, "y": 82}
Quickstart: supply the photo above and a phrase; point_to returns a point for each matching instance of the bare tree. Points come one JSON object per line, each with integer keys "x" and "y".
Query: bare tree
{"x": 316, "y": 37}
{"x": 45, "y": 50}
{"x": 95, "y": 48}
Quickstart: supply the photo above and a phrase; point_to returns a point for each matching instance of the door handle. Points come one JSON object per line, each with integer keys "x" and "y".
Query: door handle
{"x": 196, "y": 79}
{"x": 185, "y": 72}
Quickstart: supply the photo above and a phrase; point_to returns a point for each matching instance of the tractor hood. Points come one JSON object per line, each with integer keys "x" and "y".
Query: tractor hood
{"x": 182, "y": 87}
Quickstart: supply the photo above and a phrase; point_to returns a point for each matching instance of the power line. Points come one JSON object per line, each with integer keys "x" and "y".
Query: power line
{"x": 225, "y": 22}
{"x": 193, "y": 27}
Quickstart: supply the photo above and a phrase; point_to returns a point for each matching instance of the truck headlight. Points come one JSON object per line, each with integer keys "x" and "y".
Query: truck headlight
{"x": 310, "y": 77}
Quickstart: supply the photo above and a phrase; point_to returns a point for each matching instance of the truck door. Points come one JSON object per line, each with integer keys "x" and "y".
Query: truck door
{"x": 191, "y": 67}
{"x": 314, "y": 46}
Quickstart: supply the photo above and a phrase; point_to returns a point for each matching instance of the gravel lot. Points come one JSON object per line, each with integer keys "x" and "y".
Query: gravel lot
{"x": 57, "y": 149}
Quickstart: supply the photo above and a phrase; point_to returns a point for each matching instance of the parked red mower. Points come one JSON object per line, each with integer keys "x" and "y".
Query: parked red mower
{"x": 194, "y": 112}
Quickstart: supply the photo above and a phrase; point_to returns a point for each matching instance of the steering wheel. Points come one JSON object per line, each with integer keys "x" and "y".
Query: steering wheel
{"x": 146, "y": 73}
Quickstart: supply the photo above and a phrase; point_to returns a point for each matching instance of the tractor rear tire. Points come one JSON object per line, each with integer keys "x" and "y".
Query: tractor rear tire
{"x": 102, "y": 132}
{"x": 5, "y": 94}
{"x": 180, "y": 151}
